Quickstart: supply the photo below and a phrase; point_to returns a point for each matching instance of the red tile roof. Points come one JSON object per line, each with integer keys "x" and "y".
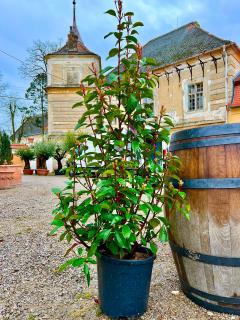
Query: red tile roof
{"x": 236, "y": 93}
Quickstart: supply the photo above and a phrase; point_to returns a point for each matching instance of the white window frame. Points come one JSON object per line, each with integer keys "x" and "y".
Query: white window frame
{"x": 195, "y": 96}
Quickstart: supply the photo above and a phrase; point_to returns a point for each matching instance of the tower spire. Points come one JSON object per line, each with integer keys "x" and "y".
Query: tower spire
{"x": 74, "y": 13}
{"x": 74, "y": 26}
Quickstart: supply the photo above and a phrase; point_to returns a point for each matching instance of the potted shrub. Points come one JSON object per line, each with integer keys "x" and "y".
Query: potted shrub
{"x": 61, "y": 149}
{"x": 10, "y": 175}
{"x": 26, "y": 154}
{"x": 116, "y": 218}
{"x": 43, "y": 151}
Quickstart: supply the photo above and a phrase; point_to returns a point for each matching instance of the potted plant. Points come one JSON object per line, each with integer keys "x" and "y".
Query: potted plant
{"x": 26, "y": 154}
{"x": 61, "y": 149}
{"x": 43, "y": 151}
{"x": 10, "y": 175}
{"x": 116, "y": 218}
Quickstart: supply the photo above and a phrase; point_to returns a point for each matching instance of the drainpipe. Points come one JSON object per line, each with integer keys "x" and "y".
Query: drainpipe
{"x": 226, "y": 79}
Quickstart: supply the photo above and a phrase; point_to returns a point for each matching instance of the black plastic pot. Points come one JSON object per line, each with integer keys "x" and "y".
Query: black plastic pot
{"x": 123, "y": 285}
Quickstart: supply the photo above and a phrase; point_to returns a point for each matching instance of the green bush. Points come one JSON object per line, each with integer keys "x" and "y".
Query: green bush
{"x": 121, "y": 209}
{"x": 43, "y": 150}
{"x": 5, "y": 149}
{"x": 69, "y": 141}
{"x": 63, "y": 146}
{"x": 26, "y": 155}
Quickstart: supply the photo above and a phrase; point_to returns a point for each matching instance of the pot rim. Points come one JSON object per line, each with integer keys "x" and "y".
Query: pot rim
{"x": 114, "y": 260}
{"x": 11, "y": 165}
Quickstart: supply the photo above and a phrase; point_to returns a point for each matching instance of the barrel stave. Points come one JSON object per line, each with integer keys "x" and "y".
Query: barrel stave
{"x": 209, "y": 153}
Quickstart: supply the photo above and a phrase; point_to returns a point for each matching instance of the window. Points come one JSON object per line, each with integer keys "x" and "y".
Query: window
{"x": 72, "y": 77}
{"x": 195, "y": 97}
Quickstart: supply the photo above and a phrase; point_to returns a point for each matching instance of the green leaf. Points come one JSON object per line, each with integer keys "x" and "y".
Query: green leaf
{"x": 110, "y": 191}
{"x": 112, "y": 77}
{"x": 120, "y": 240}
{"x": 129, "y": 13}
{"x": 54, "y": 230}
{"x": 104, "y": 183}
{"x": 78, "y": 262}
{"x": 135, "y": 146}
{"x": 111, "y": 12}
{"x": 126, "y": 231}
{"x": 153, "y": 247}
{"x": 105, "y": 205}
{"x": 58, "y": 223}
{"x": 108, "y": 35}
{"x": 168, "y": 121}
{"x": 143, "y": 241}
{"x": 104, "y": 234}
{"x": 81, "y": 123}
{"x": 119, "y": 143}
{"x": 132, "y": 39}
{"x": 132, "y": 197}
{"x": 182, "y": 194}
{"x": 144, "y": 208}
{"x": 93, "y": 249}
{"x": 163, "y": 234}
{"x": 154, "y": 223}
{"x": 66, "y": 264}
{"x": 132, "y": 103}
{"x": 113, "y": 248}
{"x": 86, "y": 273}
{"x": 56, "y": 190}
{"x": 138, "y": 24}
{"x": 108, "y": 68}
{"x": 150, "y": 61}
{"x": 78, "y": 104}
{"x": 113, "y": 53}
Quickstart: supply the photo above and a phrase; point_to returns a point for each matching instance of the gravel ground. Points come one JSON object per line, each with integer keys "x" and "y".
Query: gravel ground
{"x": 30, "y": 287}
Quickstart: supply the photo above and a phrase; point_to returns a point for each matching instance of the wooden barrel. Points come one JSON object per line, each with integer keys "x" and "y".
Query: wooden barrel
{"x": 206, "y": 249}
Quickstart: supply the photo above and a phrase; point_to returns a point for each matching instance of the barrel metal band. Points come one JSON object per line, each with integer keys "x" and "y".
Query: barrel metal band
{"x": 205, "y": 258}
{"x": 196, "y": 296}
{"x": 226, "y": 129}
{"x": 217, "y": 183}
{"x": 204, "y": 143}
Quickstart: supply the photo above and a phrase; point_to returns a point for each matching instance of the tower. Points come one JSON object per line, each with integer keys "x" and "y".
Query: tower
{"x": 66, "y": 68}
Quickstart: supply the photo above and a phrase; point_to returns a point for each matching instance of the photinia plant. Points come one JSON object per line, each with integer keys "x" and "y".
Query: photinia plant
{"x": 120, "y": 208}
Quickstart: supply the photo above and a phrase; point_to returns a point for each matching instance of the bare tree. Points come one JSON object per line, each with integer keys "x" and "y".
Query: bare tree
{"x": 26, "y": 116}
{"x": 35, "y": 63}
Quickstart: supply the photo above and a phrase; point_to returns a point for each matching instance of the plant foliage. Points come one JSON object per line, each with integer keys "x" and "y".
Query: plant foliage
{"x": 5, "y": 149}
{"x": 43, "y": 151}
{"x": 63, "y": 146}
{"x": 122, "y": 207}
{"x": 26, "y": 155}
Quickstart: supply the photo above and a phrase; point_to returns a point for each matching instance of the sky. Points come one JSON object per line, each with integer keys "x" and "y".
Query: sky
{"x": 23, "y": 21}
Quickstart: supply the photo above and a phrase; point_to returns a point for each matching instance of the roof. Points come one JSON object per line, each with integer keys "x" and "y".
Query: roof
{"x": 33, "y": 126}
{"x": 74, "y": 44}
{"x": 181, "y": 44}
{"x": 236, "y": 93}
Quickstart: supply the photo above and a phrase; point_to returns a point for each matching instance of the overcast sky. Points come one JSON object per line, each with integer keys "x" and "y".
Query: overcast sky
{"x": 23, "y": 21}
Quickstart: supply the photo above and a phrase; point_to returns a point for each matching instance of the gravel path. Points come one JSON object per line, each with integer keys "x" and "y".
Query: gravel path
{"x": 30, "y": 287}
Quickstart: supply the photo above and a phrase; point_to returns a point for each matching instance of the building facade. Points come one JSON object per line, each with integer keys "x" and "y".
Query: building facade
{"x": 196, "y": 72}
{"x": 66, "y": 68}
